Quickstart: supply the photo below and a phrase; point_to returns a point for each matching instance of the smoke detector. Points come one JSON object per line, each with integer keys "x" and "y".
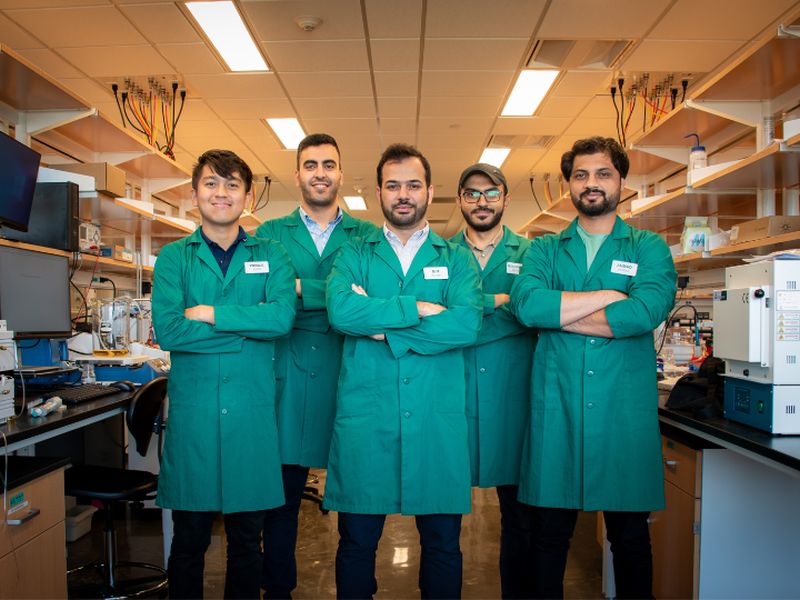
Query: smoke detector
{"x": 307, "y": 22}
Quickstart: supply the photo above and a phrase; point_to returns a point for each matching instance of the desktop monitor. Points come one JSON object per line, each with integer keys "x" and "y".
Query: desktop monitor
{"x": 34, "y": 293}
{"x": 19, "y": 167}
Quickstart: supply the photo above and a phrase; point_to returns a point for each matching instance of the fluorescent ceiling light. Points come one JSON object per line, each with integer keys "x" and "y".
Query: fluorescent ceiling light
{"x": 494, "y": 156}
{"x": 528, "y": 92}
{"x": 288, "y": 131}
{"x": 355, "y": 202}
{"x": 223, "y": 25}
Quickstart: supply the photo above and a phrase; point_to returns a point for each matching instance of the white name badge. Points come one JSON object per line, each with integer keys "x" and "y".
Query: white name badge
{"x": 261, "y": 266}
{"x": 624, "y": 268}
{"x": 513, "y": 268}
{"x": 435, "y": 273}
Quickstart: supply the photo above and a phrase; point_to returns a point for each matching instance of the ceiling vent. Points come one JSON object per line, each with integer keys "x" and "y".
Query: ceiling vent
{"x": 577, "y": 54}
{"x": 529, "y": 142}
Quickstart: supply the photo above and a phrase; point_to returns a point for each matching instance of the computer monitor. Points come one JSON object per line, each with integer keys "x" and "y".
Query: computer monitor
{"x": 19, "y": 167}
{"x": 34, "y": 293}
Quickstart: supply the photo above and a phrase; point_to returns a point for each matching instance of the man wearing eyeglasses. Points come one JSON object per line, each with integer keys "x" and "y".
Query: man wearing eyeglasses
{"x": 498, "y": 367}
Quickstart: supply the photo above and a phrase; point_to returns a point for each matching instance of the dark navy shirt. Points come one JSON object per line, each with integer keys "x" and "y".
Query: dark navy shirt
{"x": 223, "y": 257}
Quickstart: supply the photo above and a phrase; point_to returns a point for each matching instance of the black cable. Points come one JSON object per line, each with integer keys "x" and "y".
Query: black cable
{"x": 673, "y": 92}
{"x": 535, "y": 197}
{"x": 267, "y": 185}
{"x": 115, "y": 88}
{"x": 621, "y": 83}
{"x": 616, "y": 110}
{"x": 668, "y": 323}
{"x": 36, "y": 343}
{"x": 684, "y": 85}
{"x": 108, "y": 280}
{"x": 125, "y": 112}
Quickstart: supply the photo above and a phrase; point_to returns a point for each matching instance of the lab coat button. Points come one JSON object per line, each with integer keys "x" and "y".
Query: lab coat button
{"x": 483, "y": 369}
{"x": 590, "y": 373}
{"x": 312, "y": 375}
{"x": 313, "y": 347}
{"x": 590, "y": 405}
{"x": 226, "y": 379}
{"x": 406, "y": 380}
{"x": 407, "y": 414}
{"x": 592, "y": 341}
{"x": 224, "y": 411}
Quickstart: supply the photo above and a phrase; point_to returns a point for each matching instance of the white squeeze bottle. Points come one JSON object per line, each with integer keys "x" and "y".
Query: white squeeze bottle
{"x": 698, "y": 158}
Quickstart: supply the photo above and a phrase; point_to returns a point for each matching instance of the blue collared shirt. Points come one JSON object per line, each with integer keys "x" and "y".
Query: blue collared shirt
{"x": 318, "y": 234}
{"x": 406, "y": 253}
{"x": 223, "y": 257}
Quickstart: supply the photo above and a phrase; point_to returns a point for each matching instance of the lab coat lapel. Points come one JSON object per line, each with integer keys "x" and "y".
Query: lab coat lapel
{"x": 574, "y": 247}
{"x": 609, "y": 249}
{"x": 242, "y": 254}
{"x": 385, "y": 252}
{"x": 424, "y": 255}
{"x": 501, "y": 253}
{"x": 337, "y": 239}
{"x": 204, "y": 254}
{"x": 303, "y": 238}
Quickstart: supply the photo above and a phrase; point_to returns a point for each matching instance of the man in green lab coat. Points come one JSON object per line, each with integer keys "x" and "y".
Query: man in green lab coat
{"x": 595, "y": 291}
{"x": 498, "y": 368}
{"x": 407, "y": 302}
{"x": 220, "y": 298}
{"x": 308, "y": 361}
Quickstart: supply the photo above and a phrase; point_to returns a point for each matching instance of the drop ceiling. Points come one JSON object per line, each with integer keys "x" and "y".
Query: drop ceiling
{"x": 434, "y": 73}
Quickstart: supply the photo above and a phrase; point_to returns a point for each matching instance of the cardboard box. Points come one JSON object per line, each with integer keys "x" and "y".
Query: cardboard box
{"x": 122, "y": 253}
{"x": 763, "y": 227}
{"x": 107, "y": 177}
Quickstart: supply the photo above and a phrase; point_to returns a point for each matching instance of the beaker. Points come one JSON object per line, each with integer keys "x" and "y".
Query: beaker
{"x": 111, "y": 326}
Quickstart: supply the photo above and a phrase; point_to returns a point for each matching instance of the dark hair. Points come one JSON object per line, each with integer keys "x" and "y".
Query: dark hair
{"x": 224, "y": 163}
{"x": 593, "y": 145}
{"x": 317, "y": 139}
{"x": 398, "y": 152}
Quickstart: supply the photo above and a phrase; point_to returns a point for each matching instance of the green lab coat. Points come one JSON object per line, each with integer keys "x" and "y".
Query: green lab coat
{"x": 307, "y": 362}
{"x": 594, "y": 441}
{"x": 221, "y": 443}
{"x": 400, "y": 434}
{"x": 498, "y": 372}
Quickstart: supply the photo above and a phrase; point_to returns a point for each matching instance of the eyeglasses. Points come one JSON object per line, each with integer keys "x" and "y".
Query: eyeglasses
{"x": 472, "y": 196}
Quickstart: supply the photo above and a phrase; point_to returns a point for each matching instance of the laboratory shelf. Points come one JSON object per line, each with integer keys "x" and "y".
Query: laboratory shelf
{"x": 776, "y": 166}
{"x": 726, "y": 256}
{"x": 34, "y": 247}
{"x": 84, "y": 261}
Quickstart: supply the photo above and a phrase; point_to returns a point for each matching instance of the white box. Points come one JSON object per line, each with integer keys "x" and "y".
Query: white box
{"x": 78, "y": 521}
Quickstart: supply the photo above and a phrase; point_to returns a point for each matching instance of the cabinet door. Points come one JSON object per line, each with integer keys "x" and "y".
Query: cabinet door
{"x": 673, "y": 540}
{"x": 37, "y": 569}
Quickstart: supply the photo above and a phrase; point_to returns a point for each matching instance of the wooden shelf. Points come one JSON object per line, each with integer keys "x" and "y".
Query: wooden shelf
{"x": 772, "y": 167}
{"x": 86, "y": 260}
{"x": 33, "y": 247}
{"x": 120, "y": 219}
{"x": 794, "y": 141}
{"x": 726, "y": 256}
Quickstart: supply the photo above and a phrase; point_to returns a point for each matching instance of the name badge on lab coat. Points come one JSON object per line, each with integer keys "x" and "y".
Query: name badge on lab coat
{"x": 260, "y": 266}
{"x": 513, "y": 268}
{"x": 624, "y": 268}
{"x": 435, "y": 273}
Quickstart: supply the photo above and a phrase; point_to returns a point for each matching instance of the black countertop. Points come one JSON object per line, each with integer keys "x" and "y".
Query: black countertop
{"x": 22, "y": 469}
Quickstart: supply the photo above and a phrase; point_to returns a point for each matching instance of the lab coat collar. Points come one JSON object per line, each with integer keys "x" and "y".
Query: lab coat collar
{"x": 577, "y": 251}
{"x": 505, "y": 246}
{"x": 425, "y": 254}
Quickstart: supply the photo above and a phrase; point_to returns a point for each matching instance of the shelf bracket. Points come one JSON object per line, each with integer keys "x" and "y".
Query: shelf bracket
{"x": 748, "y": 113}
{"x": 676, "y": 154}
{"x": 117, "y": 158}
{"x": 32, "y": 123}
{"x": 155, "y": 186}
{"x": 788, "y": 32}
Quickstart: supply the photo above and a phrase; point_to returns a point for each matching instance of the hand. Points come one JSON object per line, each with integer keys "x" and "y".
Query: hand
{"x": 427, "y": 309}
{"x": 358, "y": 290}
{"x": 201, "y": 312}
{"x": 500, "y": 299}
{"x": 298, "y": 288}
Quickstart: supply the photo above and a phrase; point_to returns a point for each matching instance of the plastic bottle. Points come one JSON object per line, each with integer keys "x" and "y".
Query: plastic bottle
{"x": 698, "y": 158}
{"x": 45, "y": 409}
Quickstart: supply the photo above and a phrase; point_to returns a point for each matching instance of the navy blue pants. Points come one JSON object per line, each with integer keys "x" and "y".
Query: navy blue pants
{"x": 517, "y": 522}
{"x": 279, "y": 571}
{"x": 440, "y": 564}
{"x": 190, "y": 540}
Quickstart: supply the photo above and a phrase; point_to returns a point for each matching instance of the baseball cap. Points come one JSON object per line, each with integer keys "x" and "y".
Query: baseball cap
{"x": 492, "y": 172}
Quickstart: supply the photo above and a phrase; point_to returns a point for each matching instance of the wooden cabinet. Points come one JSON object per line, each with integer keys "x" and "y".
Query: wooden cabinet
{"x": 674, "y": 532}
{"x": 33, "y": 560}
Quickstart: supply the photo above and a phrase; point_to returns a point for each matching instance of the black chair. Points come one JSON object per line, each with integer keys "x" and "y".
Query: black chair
{"x": 109, "y": 485}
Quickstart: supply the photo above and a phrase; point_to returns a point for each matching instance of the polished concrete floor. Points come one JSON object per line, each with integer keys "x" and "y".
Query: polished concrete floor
{"x": 398, "y": 555}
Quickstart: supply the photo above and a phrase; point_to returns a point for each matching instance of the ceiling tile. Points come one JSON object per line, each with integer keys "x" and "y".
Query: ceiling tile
{"x": 195, "y": 109}
{"x": 89, "y": 90}
{"x": 563, "y": 106}
{"x": 510, "y": 18}
{"x": 78, "y": 26}
{"x": 260, "y": 108}
{"x": 611, "y": 19}
{"x": 335, "y": 108}
{"x": 162, "y": 22}
{"x": 15, "y": 36}
{"x": 117, "y": 61}
{"x": 582, "y": 83}
{"x": 397, "y": 108}
{"x": 343, "y": 127}
{"x": 476, "y": 54}
{"x": 466, "y": 83}
{"x": 49, "y": 62}
{"x": 599, "y": 107}
{"x": 383, "y": 21}
{"x": 332, "y": 84}
{"x": 391, "y": 127}
{"x": 395, "y": 55}
{"x": 740, "y": 19}
{"x": 191, "y": 58}
{"x": 691, "y": 56}
{"x": 10, "y": 4}
{"x": 275, "y": 20}
{"x": 235, "y": 85}
{"x": 472, "y": 139}
{"x": 453, "y": 125}
{"x": 470, "y": 107}
{"x": 337, "y": 55}
{"x": 588, "y": 127}
{"x": 396, "y": 83}
{"x": 530, "y": 126}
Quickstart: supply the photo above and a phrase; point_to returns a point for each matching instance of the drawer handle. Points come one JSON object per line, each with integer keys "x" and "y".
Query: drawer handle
{"x": 671, "y": 464}
{"x": 33, "y": 512}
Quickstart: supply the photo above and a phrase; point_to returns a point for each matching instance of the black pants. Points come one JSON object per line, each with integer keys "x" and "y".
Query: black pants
{"x": 191, "y": 538}
{"x": 440, "y": 563}
{"x": 279, "y": 575}
{"x": 628, "y": 534}
{"x": 516, "y": 544}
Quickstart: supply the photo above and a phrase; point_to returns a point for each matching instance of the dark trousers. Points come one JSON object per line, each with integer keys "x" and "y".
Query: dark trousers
{"x": 628, "y": 534}
{"x": 516, "y": 544}
{"x": 279, "y": 574}
{"x": 191, "y": 538}
{"x": 440, "y": 564}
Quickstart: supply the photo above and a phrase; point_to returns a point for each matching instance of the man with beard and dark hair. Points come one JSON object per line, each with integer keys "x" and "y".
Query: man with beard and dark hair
{"x": 408, "y": 302}
{"x": 595, "y": 291}
{"x": 307, "y": 362}
{"x": 498, "y": 389}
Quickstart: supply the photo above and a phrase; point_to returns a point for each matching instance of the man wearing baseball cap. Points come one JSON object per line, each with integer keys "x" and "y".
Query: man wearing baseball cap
{"x": 498, "y": 368}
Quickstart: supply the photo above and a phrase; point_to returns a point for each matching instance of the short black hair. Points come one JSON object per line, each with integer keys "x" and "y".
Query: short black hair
{"x": 224, "y": 163}
{"x": 398, "y": 152}
{"x": 317, "y": 139}
{"x": 593, "y": 145}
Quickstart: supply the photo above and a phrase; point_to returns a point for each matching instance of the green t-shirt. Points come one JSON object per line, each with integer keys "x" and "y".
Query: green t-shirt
{"x": 592, "y": 241}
